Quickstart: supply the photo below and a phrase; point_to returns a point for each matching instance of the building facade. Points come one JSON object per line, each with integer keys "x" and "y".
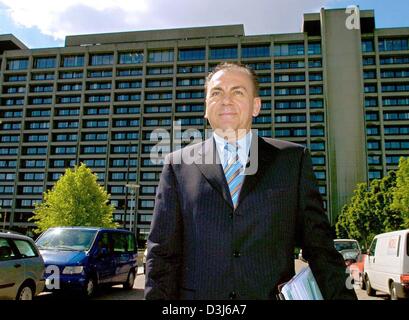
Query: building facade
{"x": 342, "y": 92}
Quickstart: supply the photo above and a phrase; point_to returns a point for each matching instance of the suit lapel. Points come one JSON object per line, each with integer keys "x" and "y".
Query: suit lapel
{"x": 261, "y": 155}
{"x": 208, "y": 162}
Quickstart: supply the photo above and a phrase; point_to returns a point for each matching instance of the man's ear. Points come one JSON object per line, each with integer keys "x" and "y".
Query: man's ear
{"x": 256, "y": 106}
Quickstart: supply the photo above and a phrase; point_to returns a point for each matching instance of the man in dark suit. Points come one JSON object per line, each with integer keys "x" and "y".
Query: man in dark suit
{"x": 229, "y": 211}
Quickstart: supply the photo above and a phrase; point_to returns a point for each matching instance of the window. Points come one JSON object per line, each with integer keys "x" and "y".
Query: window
{"x": 314, "y": 48}
{"x": 101, "y": 59}
{"x": 372, "y": 131}
{"x": 398, "y": 130}
{"x": 223, "y": 53}
{"x": 191, "y": 69}
{"x": 44, "y": 63}
{"x": 294, "y": 77}
{"x": 17, "y": 64}
{"x": 293, "y": 118}
{"x": 161, "y": 56}
{"x": 129, "y": 72}
{"x": 15, "y": 78}
{"x": 286, "y": 91}
{"x": 315, "y": 77}
{"x": 317, "y": 132}
{"x": 95, "y": 137}
{"x": 99, "y": 86}
{"x": 158, "y": 109}
{"x": 397, "y": 44}
{"x": 374, "y": 174}
{"x": 371, "y": 102}
{"x": 393, "y": 160}
{"x": 33, "y": 164}
{"x": 130, "y": 58}
{"x": 100, "y": 74}
{"x": 128, "y": 97}
{"x": 128, "y": 84}
{"x": 317, "y": 146}
{"x": 94, "y": 111}
{"x": 394, "y": 60}
{"x": 316, "y": 104}
{"x": 68, "y": 112}
{"x": 374, "y": 160}
{"x": 255, "y": 51}
{"x": 9, "y": 139}
{"x": 95, "y": 124}
{"x": 315, "y": 63}
{"x": 317, "y": 117}
{"x": 388, "y": 116}
{"x": 373, "y": 145}
{"x": 71, "y": 75}
{"x": 292, "y": 104}
{"x": 289, "y": 64}
{"x": 367, "y": 46}
{"x": 260, "y": 66}
{"x": 320, "y": 175}
{"x": 72, "y": 61}
{"x": 160, "y": 70}
{"x": 192, "y": 54}
{"x": 127, "y": 110}
{"x": 293, "y": 49}
{"x": 368, "y": 61}
{"x": 397, "y": 145}
{"x": 315, "y": 90}
{"x": 6, "y": 189}
{"x": 371, "y": 116}
{"x": 159, "y": 96}
{"x": 125, "y": 136}
{"x": 189, "y": 108}
{"x": 318, "y": 161}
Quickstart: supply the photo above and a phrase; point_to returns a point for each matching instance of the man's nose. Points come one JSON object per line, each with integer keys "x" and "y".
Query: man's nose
{"x": 227, "y": 98}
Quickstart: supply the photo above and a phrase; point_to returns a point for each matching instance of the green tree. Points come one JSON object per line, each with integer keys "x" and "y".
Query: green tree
{"x": 75, "y": 200}
{"x": 401, "y": 192}
{"x": 370, "y": 211}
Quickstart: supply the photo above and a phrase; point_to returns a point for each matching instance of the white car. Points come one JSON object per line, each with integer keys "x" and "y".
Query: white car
{"x": 21, "y": 267}
{"x": 386, "y": 266}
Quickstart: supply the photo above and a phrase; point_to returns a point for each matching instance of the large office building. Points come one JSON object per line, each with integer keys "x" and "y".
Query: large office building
{"x": 341, "y": 90}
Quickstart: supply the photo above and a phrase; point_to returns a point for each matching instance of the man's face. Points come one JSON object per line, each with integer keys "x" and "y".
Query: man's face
{"x": 230, "y": 100}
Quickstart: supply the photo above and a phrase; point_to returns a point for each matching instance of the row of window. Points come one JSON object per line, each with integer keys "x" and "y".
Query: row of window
{"x": 397, "y": 44}
{"x": 165, "y": 56}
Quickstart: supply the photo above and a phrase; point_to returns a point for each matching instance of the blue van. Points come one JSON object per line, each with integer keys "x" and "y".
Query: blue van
{"x": 83, "y": 258}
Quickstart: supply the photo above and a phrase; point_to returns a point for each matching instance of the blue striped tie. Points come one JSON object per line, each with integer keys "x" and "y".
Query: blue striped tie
{"x": 233, "y": 171}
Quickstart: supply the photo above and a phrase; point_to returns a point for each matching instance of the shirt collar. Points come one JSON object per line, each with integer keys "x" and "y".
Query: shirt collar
{"x": 244, "y": 147}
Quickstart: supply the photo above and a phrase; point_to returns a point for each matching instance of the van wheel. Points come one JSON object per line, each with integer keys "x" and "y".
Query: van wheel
{"x": 90, "y": 288}
{"x": 369, "y": 290}
{"x": 128, "y": 285}
{"x": 393, "y": 292}
{"x": 25, "y": 292}
{"x": 362, "y": 282}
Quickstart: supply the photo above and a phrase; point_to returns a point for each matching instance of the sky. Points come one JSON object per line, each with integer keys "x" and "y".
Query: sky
{"x": 46, "y": 23}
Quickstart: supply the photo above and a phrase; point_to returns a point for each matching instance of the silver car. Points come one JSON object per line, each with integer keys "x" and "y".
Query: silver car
{"x": 21, "y": 267}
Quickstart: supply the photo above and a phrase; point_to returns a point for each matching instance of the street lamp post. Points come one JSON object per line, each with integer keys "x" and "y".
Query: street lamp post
{"x": 134, "y": 189}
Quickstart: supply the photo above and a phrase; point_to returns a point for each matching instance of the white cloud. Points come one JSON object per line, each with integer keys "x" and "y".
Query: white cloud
{"x": 61, "y": 18}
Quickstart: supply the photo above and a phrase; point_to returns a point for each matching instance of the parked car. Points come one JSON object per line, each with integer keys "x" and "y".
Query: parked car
{"x": 86, "y": 257}
{"x": 21, "y": 267}
{"x": 349, "y": 248}
{"x": 356, "y": 270}
{"x": 387, "y": 265}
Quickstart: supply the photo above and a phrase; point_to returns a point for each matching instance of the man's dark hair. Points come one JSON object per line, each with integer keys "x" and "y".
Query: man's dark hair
{"x": 235, "y": 65}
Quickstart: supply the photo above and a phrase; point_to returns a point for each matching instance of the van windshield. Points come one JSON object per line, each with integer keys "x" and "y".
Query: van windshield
{"x": 346, "y": 245}
{"x": 67, "y": 239}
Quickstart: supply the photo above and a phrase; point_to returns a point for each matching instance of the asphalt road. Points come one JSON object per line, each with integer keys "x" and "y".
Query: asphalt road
{"x": 117, "y": 293}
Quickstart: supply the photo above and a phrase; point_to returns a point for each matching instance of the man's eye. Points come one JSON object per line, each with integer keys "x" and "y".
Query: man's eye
{"x": 215, "y": 93}
{"x": 238, "y": 92}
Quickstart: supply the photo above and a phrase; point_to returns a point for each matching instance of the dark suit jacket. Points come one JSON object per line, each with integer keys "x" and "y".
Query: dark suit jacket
{"x": 200, "y": 247}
